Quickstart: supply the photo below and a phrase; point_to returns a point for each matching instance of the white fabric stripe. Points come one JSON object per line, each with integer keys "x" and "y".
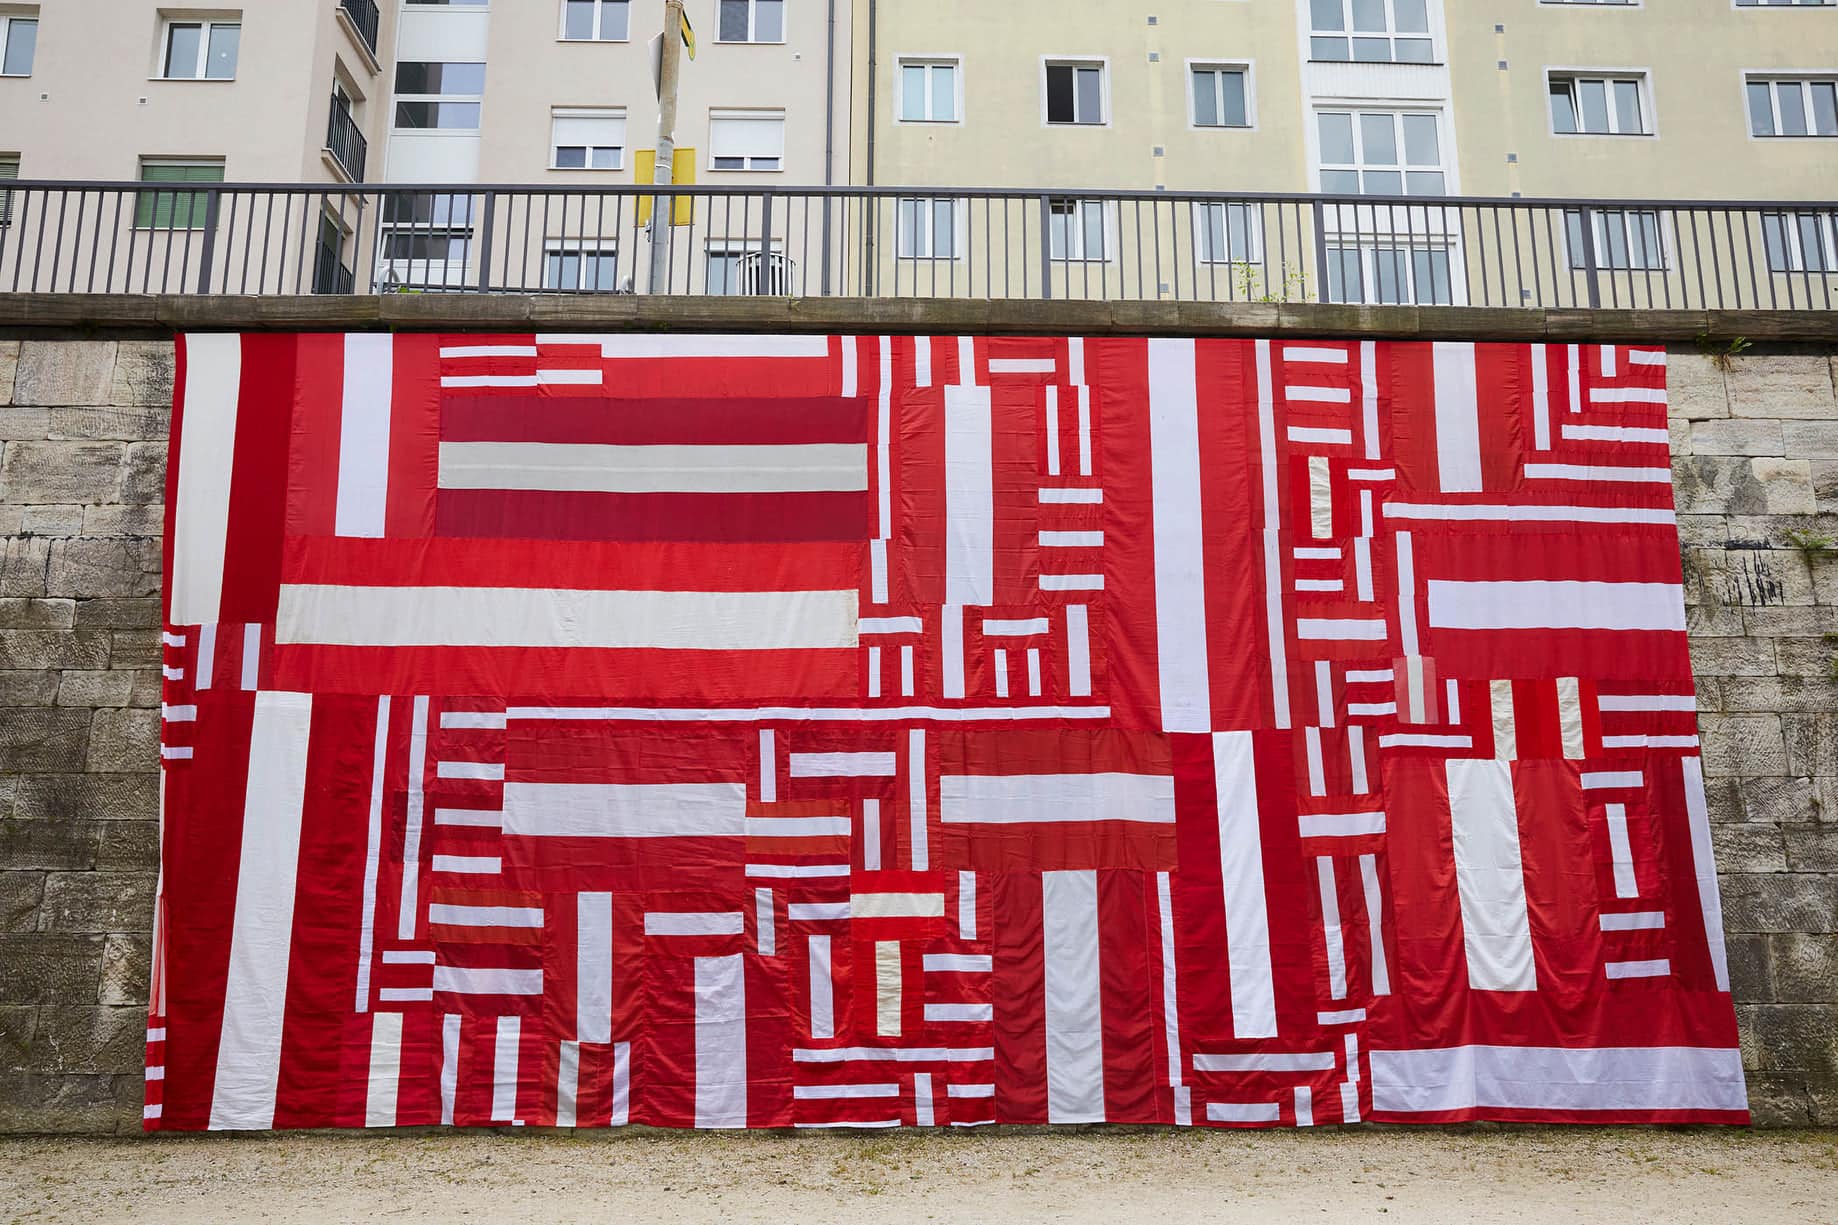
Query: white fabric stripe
{"x": 1078, "y": 651}
{"x": 1681, "y": 703}
{"x": 765, "y": 933}
{"x": 170, "y": 639}
{"x": 843, "y": 765}
{"x": 1541, "y": 399}
{"x": 1317, "y": 766}
{"x": 408, "y": 957}
{"x": 1072, "y": 582}
{"x": 1458, "y": 427}
{"x": 843, "y": 1093}
{"x": 1306, "y": 353}
{"x": 1071, "y": 497}
{"x": 851, "y": 377}
{"x": 1490, "y": 876}
{"x": 970, "y": 529}
{"x": 874, "y": 672}
{"x": 768, "y": 766}
{"x": 363, "y": 434}
{"x": 1274, "y": 613}
{"x": 1613, "y": 780}
{"x": 694, "y": 923}
{"x": 871, "y": 835}
{"x": 1646, "y": 357}
{"x": 465, "y": 351}
{"x": 475, "y": 720}
{"x": 1324, "y": 692}
{"x": 1016, "y": 629}
{"x": 478, "y": 818}
{"x": 642, "y": 345}
{"x": 1330, "y": 927}
{"x": 1350, "y": 629}
{"x": 1340, "y": 824}
{"x": 1241, "y": 864}
{"x": 449, "y": 1065}
{"x": 1272, "y": 1061}
{"x": 966, "y": 905}
{"x": 625, "y": 810}
{"x": 261, "y": 931}
{"x": 1634, "y": 921}
{"x": 1328, "y": 553}
{"x": 567, "y": 1082}
{"x": 916, "y": 772}
{"x": 1320, "y": 496}
{"x": 1075, "y": 360}
{"x": 897, "y": 905}
{"x": 1424, "y": 741}
{"x": 1071, "y": 540}
{"x": 481, "y": 771}
{"x": 999, "y": 799}
{"x": 1627, "y": 395}
{"x": 890, "y": 625}
{"x": 951, "y": 650}
{"x": 1407, "y": 594}
{"x": 1362, "y": 558}
{"x": 1649, "y": 742}
{"x": 883, "y": 461}
{"x": 798, "y": 827}
{"x": 1539, "y": 604}
{"x": 1704, "y": 862}
{"x": 962, "y": 1090}
{"x": 207, "y": 656}
{"x": 1576, "y": 378}
{"x": 1316, "y": 436}
{"x": 1180, "y": 558}
{"x": 1356, "y": 750}
{"x": 564, "y": 617}
{"x": 797, "y": 871}
{"x": 1372, "y": 710}
{"x": 593, "y": 1014}
{"x": 504, "y": 1069}
{"x": 1305, "y": 1105}
{"x": 467, "y": 865}
{"x": 1414, "y": 690}
{"x": 373, "y": 852}
{"x": 201, "y": 503}
{"x": 1368, "y": 385}
{"x": 1318, "y": 395}
{"x": 622, "y": 1083}
{"x": 447, "y": 914}
{"x": 1570, "y": 715}
{"x": 1084, "y": 394}
{"x": 1598, "y": 473}
{"x": 906, "y": 671}
{"x": 466, "y": 381}
{"x": 1504, "y": 513}
{"x": 1171, "y": 1024}
{"x": 721, "y": 1041}
{"x": 1074, "y": 1013}
{"x": 822, "y": 998}
{"x": 381, "y": 1086}
{"x": 961, "y": 1013}
{"x": 888, "y": 990}
{"x": 1243, "y": 1112}
{"x": 877, "y": 571}
{"x": 1052, "y": 431}
{"x": 896, "y": 1054}
{"x": 1505, "y": 728}
{"x": 657, "y": 468}
{"x": 1001, "y": 671}
{"x": 1343, "y": 1016}
{"x": 814, "y": 714}
{"x": 1022, "y": 365}
{"x": 1657, "y": 968}
{"x": 1616, "y": 433}
{"x": 966, "y": 359}
{"x": 922, "y": 361}
{"x": 1608, "y": 361}
{"x": 1558, "y": 1078}
{"x": 1375, "y": 923}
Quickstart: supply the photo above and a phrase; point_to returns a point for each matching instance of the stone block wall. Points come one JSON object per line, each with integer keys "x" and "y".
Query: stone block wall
{"x": 82, "y": 462}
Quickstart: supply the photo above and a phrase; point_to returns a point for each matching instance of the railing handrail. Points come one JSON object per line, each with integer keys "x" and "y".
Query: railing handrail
{"x": 940, "y": 192}
{"x": 367, "y": 18}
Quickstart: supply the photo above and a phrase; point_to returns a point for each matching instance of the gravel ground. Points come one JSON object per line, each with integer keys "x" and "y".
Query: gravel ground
{"x": 1108, "y": 1177}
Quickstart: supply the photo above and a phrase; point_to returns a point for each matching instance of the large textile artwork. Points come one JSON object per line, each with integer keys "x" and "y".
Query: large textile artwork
{"x": 740, "y": 731}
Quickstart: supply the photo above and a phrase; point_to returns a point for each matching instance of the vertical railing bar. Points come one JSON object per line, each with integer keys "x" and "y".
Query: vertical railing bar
{"x": 38, "y": 246}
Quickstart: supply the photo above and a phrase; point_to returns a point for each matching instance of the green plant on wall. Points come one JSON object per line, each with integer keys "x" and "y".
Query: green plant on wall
{"x": 1723, "y": 355}
{"x": 1249, "y": 279}
{"x": 1811, "y": 544}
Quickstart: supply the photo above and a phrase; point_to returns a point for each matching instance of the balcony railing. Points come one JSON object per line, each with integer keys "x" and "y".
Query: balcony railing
{"x": 364, "y": 16}
{"x": 345, "y": 141}
{"x": 905, "y": 242}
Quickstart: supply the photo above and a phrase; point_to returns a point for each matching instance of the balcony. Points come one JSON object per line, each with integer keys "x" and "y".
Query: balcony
{"x": 364, "y": 19}
{"x": 1166, "y": 250}
{"x": 345, "y": 141}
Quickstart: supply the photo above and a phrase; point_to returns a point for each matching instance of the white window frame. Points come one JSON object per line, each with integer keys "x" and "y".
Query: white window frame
{"x": 1774, "y": 78}
{"x": 1067, "y": 244}
{"x": 1643, "y": 84}
{"x": 960, "y": 228}
{"x": 599, "y": 34}
{"x": 1391, "y": 34}
{"x": 1246, "y": 67}
{"x": 719, "y": 115}
{"x": 1444, "y": 163}
{"x": 1102, "y": 64}
{"x": 1200, "y": 214}
{"x": 587, "y": 112}
{"x": 477, "y": 99}
{"x": 6, "y": 37}
{"x": 930, "y": 63}
{"x": 1782, "y": 4}
{"x": 1663, "y": 226}
{"x": 597, "y": 248}
{"x": 205, "y": 25}
{"x": 753, "y": 25}
{"x": 1368, "y": 249}
{"x": 1794, "y": 240}
{"x": 1601, "y": 4}
{"x": 741, "y": 249}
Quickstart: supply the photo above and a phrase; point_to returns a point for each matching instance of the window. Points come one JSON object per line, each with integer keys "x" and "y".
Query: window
{"x": 606, "y": 21}
{"x": 9, "y": 169}
{"x": 1371, "y": 31}
{"x": 1800, "y": 242}
{"x": 1599, "y": 106}
{"x": 1075, "y": 93}
{"x": 174, "y": 210}
{"x": 740, "y": 268}
{"x": 1793, "y": 108}
{"x": 580, "y": 267}
{"x": 1225, "y": 233}
{"x": 18, "y": 42}
{"x": 1381, "y": 153}
{"x": 1388, "y": 273}
{"x": 200, "y": 50}
{"x": 438, "y": 95}
{"x": 1219, "y": 97}
{"x": 422, "y": 230}
{"x": 928, "y": 91}
{"x": 1624, "y": 240}
{"x": 752, "y": 21}
{"x": 584, "y": 138}
{"x": 1781, "y": 4}
{"x": 928, "y": 229}
{"x": 329, "y": 272}
{"x": 746, "y": 140}
{"x": 1077, "y": 230}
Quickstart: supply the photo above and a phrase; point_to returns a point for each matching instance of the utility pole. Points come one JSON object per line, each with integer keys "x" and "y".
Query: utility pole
{"x": 670, "y": 59}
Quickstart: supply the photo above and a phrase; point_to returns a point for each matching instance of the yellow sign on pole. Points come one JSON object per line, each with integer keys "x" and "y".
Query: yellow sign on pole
{"x": 682, "y": 170}
{"x": 689, "y": 37}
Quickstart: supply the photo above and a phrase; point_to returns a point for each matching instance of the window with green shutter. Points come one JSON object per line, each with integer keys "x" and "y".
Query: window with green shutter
{"x": 174, "y": 210}
{"x": 9, "y": 169}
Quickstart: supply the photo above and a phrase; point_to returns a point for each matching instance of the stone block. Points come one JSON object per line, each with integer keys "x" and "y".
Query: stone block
{"x": 1722, "y": 800}
{"x": 1813, "y": 847}
{"x": 146, "y": 519}
{"x": 1824, "y": 568}
{"x": 1792, "y": 1037}
{"x": 1805, "y": 968}
{"x": 51, "y": 521}
{"x": 1810, "y": 439}
{"x": 59, "y": 372}
{"x": 124, "y": 741}
{"x": 149, "y": 687}
{"x": 104, "y": 901}
{"x": 1782, "y": 694}
{"x": 35, "y": 739}
{"x": 1778, "y": 801}
{"x": 143, "y": 474}
{"x": 143, "y": 373}
{"x": 1797, "y": 386}
{"x": 88, "y": 1040}
{"x": 1733, "y": 657}
{"x": 61, "y": 472}
{"x": 1748, "y": 577}
{"x": 1715, "y": 485}
{"x": 49, "y": 846}
{"x": 1786, "y": 485}
{"x": 9, "y": 365}
{"x": 1736, "y": 437}
{"x": 87, "y": 797}
{"x": 95, "y": 688}
{"x": 1742, "y": 744}
{"x": 1780, "y": 1099}
{"x": 142, "y": 613}
{"x": 127, "y": 962}
{"x": 24, "y": 564}
{"x": 21, "y": 891}
{"x": 1825, "y": 486}
{"x": 1739, "y": 848}
{"x": 134, "y": 649}
{"x": 34, "y": 1102}
{"x": 124, "y": 424}
{"x": 1811, "y": 743}
{"x": 1790, "y": 622}
{"x": 1713, "y": 621}
{"x": 1751, "y": 972}
{"x": 1809, "y": 657}
{"x": 18, "y": 1024}
{"x": 1678, "y": 436}
{"x": 32, "y": 424}
{"x": 130, "y": 845}
{"x": 105, "y": 566}
{"x": 54, "y": 648}
{"x": 1695, "y": 389}
{"x": 1779, "y": 902}
{"x": 1710, "y": 694}
{"x": 27, "y": 687}
{"x": 16, "y": 613}
{"x": 1703, "y": 530}
{"x": 50, "y": 968}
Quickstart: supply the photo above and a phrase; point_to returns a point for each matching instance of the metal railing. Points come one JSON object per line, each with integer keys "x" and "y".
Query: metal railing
{"x": 901, "y": 242}
{"x": 364, "y": 16}
{"x": 345, "y": 139}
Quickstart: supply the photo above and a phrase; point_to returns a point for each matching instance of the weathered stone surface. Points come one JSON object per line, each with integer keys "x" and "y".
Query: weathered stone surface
{"x": 1795, "y": 1037}
{"x": 1695, "y": 387}
{"x": 99, "y": 901}
{"x": 90, "y": 1039}
{"x": 40, "y": 739}
{"x": 48, "y": 846}
{"x": 1736, "y": 437}
{"x": 51, "y": 521}
{"x": 95, "y": 688}
{"x": 143, "y": 474}
{"x": 1782, "y": 385}
{"x": 1812, "y": 848}
{"x": 1780, "y": 902}
{"x": 117, "y": 566}
{"x": 23, "y": 566}
{"x": 1811, "y": 742}
{"x": 9, "y": 365}
{"x": 1786, "y": 485}
{"x": 1810, "y": 439}
{"x": 1751, "y": 970}
{"x": 132, "y": 614}
{"x": 124, "y": 740}
{"x": 134, "y": 649}
{"x": 127, "y": 962}
{"x": 1748, "y": 577}
{"x": 1778, "y": 801}
{"x": 131, "y": 844}
{"x": 146, "y": 519}
{"x": 37, "y": 614}
{"x": 1804, "y": 967}
{"x": 32, "y": 1101}
{"x": 1825, "y": 486}
{"x": 143, "y": 373}
{"x": 50, "y": 968}
{"x": 1739, "y": 848}
{"x": 58, "y": 372}
{"x": 126, "y": 424}
{"x": 1733, "y": 657}
{"x": 77, "y": 796}
{"x": 1812, "y": 657}
{"x": 54, "y": 648}
{"x": 1742, "y": 744}
{"x": 66, "y": 472}
{"x": 27, "y": 687}
{"x": 21, "y": 891}
{"x": 1790, "y": 622}
{"x": 1785, "y": 694}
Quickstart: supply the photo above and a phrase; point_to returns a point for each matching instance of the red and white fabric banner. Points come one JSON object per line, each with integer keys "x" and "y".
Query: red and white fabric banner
{"x": 738, "y": 731}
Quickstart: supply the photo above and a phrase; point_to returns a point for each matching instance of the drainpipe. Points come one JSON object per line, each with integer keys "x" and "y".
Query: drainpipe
{"x": 829, "y": 137}
{"x": 869, "y": 202}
